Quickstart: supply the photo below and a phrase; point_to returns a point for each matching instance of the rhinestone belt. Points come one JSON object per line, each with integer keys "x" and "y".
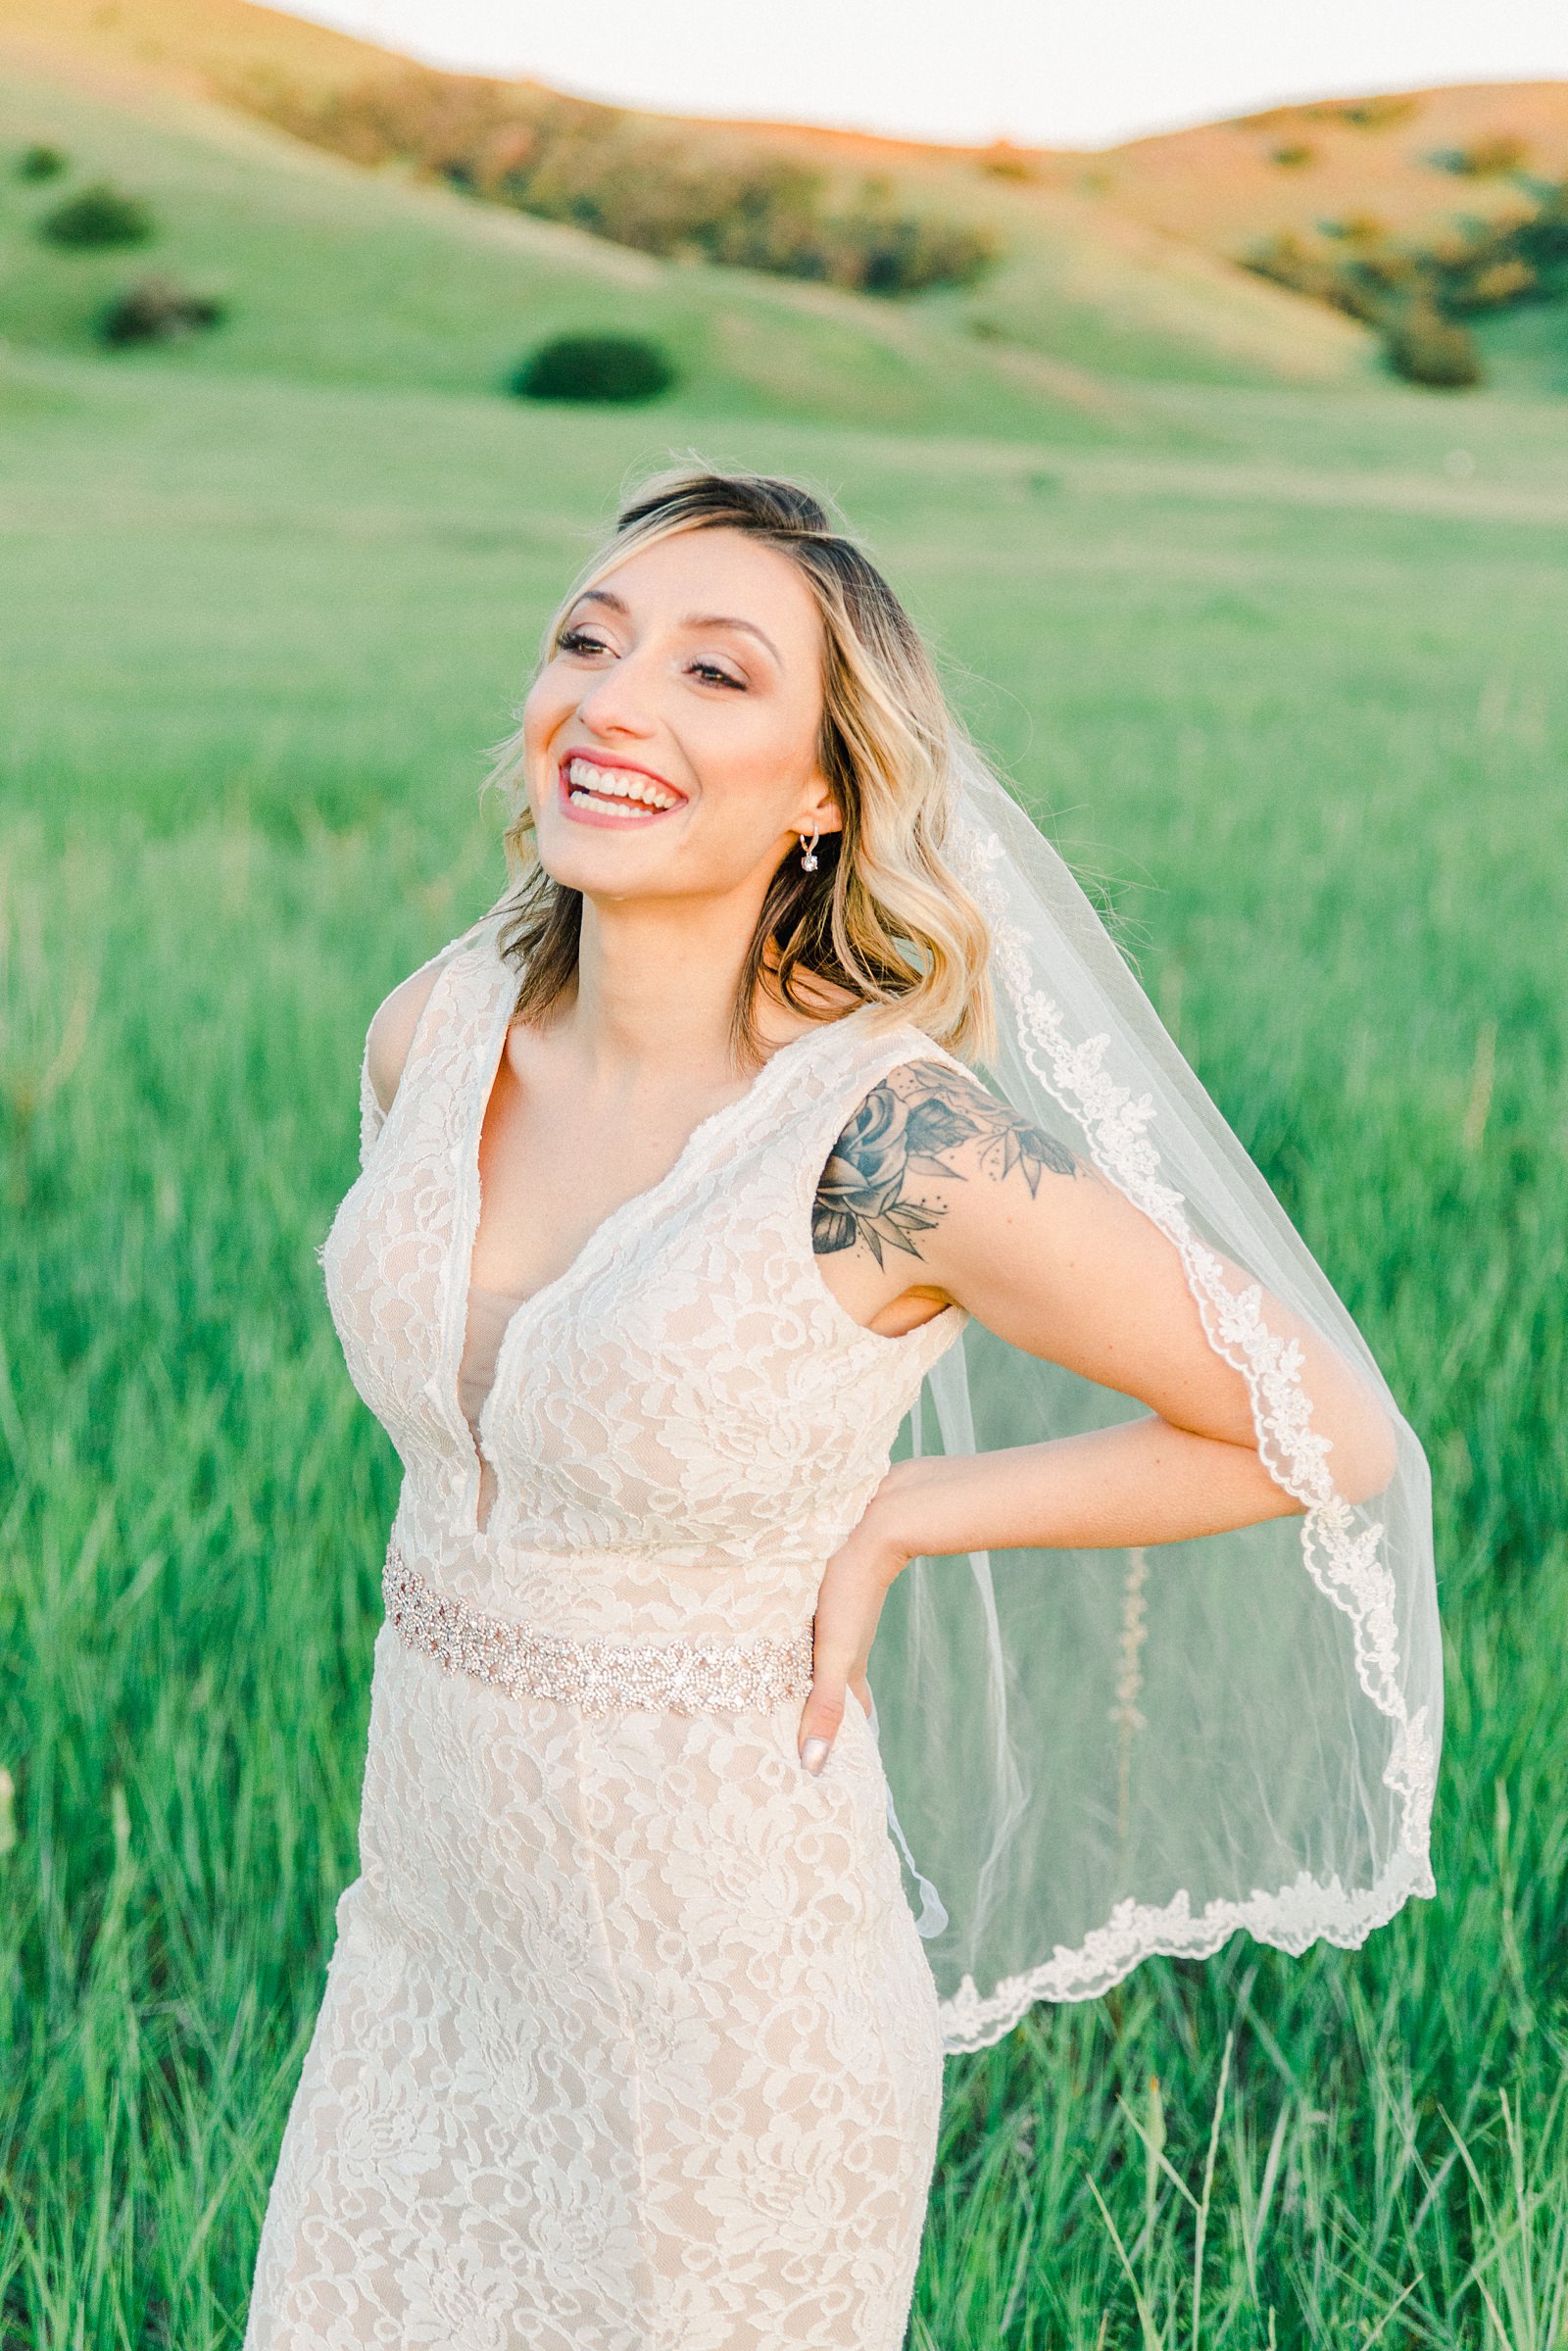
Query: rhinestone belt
{"x": 599, "y": 1677}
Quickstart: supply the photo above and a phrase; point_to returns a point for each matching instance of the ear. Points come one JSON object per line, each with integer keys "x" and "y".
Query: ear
{"x": 820, "y": 808}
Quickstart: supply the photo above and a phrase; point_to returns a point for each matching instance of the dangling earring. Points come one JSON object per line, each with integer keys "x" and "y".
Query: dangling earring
{"x": 808, "y": 849}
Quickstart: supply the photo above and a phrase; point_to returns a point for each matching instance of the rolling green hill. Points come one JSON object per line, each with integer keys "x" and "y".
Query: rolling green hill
{"x": 1126, "y": 267}
{"x": 1081, "y": 289}
{"x": 334, "y": 274}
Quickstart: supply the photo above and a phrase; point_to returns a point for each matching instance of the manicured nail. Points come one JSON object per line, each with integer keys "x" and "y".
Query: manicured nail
{"x": 814, "y": 1754}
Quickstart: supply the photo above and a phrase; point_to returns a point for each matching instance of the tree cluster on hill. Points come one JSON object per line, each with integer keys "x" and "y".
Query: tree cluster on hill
{"x": 594, "y": 368}
{"x": 1421, "y": 296}
{"x": 98, "y": 215}
{"x": 599, "y": 168}
{"x": 153, "y": 308}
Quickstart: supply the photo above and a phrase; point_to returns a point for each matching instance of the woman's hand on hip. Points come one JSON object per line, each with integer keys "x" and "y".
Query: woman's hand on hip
{"x": 849, "y": 1602}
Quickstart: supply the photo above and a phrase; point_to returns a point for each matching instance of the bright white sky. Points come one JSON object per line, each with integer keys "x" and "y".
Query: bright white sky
{"x": 1046, "y": 72}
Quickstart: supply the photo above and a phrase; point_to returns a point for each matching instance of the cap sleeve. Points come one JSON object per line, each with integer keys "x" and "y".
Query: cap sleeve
{"x": 372, "y": 1119}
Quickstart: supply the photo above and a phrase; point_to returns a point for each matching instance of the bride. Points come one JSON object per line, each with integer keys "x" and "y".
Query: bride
{"x": 680, "y": 1198}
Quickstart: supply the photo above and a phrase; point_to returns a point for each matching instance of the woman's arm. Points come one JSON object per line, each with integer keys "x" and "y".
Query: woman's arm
{"x": 397, "y": 1016}
{"x": 939, "y": 1193}
{"x": 392, "y": 1028}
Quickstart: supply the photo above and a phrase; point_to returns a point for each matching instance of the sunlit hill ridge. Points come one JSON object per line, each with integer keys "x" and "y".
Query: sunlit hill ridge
{"x": 904, "y": 283}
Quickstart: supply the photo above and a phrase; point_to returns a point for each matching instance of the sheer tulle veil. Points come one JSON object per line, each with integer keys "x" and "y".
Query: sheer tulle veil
{"x": 1095, "y": 1756}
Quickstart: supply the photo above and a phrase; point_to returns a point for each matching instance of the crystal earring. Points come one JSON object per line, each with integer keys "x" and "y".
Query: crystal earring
{"x": 808, "y": 849}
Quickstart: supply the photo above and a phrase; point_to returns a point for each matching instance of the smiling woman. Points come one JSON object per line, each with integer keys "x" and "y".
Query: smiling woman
{"x": 857, "y": 740}
{"x": 680, "y": 1192}
{"x": 603, "y": 789}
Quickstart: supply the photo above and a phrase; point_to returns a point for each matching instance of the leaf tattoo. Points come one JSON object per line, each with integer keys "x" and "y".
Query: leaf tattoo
{"x": 895, "y": 1135}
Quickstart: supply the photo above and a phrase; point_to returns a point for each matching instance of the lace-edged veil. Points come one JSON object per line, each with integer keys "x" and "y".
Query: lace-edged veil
{"x": 1095, "y": 1756}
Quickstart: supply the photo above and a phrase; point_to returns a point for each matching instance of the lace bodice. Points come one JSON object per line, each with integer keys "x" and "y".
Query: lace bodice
{"x": 686, "y": 1423}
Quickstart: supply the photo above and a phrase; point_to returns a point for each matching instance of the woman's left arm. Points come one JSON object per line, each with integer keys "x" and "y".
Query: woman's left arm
{"x": 1051, "y": 1257}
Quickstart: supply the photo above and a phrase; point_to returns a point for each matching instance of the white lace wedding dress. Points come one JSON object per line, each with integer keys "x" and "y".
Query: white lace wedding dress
{"x": 628, "y": 2041}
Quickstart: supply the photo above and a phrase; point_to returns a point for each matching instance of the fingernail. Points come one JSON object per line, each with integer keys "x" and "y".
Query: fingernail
{"x": 814, "y": 1754}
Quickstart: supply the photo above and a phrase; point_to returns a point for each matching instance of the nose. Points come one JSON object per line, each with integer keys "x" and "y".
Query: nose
{"x": 616, "y": 702}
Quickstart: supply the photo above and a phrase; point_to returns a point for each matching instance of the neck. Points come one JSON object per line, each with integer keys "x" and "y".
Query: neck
{"x": 656, "y": 983}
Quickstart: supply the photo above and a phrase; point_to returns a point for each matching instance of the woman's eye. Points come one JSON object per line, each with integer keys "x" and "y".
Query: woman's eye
{"x": 579, "y": 640}
{"x": 719, "y": 677}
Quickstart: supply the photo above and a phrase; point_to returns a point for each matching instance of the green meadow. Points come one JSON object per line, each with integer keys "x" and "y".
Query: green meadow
{"x": 1280, "y": 670}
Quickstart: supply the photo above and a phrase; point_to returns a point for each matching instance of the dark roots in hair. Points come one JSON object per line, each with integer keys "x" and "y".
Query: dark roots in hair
{"x": 755, "y": 502}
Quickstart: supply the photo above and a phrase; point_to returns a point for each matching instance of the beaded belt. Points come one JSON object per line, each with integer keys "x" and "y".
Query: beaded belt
{"x": 599, "y": 1677}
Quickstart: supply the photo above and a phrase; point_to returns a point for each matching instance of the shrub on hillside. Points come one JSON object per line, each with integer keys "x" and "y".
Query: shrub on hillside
{"x": 156, "y": 310}
{"x": 603, "y": 367}
{"x": 895, "y": 254}
{"x": 1363, "y": 231}
{"x": 1541, "y": 243}
{"x": 710, "y": 197}
{"x": 95, "y": 215}
{"x": 1004, "y": 161}
{"x": 40, "y": 162}
{"x": 1365, "y": 113}
{"x": 1290, "y": 261}
{"x": 1496, "y": 157}
{"x": 1359, "y": 114}
{"x": 1398, "y": 293}
{"x": 1465, "y": 267}
{"x": 1497, "y": 285}
{"x": 1425, "y": 348}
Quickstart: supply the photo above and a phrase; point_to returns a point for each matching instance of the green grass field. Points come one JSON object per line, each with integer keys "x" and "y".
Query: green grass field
{"x": 1285, "y": 681}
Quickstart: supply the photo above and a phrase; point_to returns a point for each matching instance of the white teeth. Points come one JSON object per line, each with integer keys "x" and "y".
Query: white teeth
{"x": 611, "y": 788}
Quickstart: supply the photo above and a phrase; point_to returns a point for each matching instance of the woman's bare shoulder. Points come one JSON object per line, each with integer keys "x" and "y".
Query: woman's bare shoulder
{"x": 391, "y": 1030}
{"x": 397, "y": 1016}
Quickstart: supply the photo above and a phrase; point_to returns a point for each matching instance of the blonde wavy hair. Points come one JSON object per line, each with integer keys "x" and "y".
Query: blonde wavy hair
{"x": 884, "y": 917}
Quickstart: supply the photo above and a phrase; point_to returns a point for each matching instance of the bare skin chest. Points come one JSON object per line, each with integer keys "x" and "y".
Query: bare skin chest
{"x": 562, "y": 1147}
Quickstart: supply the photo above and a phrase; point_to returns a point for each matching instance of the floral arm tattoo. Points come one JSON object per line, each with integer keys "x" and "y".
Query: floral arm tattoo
{"x": 870, "y": 1190}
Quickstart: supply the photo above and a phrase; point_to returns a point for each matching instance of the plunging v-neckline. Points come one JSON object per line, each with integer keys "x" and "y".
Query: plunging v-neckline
{"x": 644, "y": 1202}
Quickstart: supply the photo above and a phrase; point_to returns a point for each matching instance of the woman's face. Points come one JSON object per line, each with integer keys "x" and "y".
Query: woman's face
{"x": 671, "y": 738}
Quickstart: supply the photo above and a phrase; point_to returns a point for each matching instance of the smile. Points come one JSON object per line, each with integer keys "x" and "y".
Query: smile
{"x": 614, "y": 795}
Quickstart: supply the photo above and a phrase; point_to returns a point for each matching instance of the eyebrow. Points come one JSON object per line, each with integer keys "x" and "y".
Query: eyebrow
{"x": 617, "y": 604}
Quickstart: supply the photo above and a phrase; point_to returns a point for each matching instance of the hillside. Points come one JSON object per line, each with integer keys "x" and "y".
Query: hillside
{"x": 1296, "y": 245}
{"x": 1080, "y": 286}
{"x": 195, "y": 46}
{"x": 336, "y": 275}
{"x": 1419, "y": 164}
